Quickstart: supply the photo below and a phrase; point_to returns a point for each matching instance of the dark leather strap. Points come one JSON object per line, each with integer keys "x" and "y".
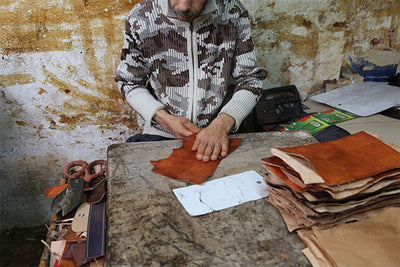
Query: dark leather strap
{"x": 95, "y": 244}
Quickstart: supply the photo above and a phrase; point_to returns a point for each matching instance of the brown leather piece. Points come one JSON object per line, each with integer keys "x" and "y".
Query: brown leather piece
{"x": 182, "y": 165}
{"x": 373, "y": 242}
{"x": 349, "y": 158}
{"x": 277, "y": 166}
{"x": 79, "y": 252}
{"x": 278, "y": 169}
{"x": 68, "y": 253}
{"x": 98, "y": 192}
{"x": 297, "y": 214}
{"x": 64, "y": 262}
{"x": 327, "y": 184}
{"x": 71, "y": 236}
{"x": 67, "y": 263}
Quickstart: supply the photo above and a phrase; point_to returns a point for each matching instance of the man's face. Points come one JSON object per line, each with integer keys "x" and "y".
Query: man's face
{"x": 187, "y": 10}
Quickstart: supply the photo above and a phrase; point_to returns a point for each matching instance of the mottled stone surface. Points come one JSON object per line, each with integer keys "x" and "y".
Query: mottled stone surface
{"x": 148, "y": 226}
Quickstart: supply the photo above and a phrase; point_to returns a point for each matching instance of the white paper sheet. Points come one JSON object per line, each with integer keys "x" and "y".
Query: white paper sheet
{"x": 363, "y": 99}
{"x": 221, "y": 193}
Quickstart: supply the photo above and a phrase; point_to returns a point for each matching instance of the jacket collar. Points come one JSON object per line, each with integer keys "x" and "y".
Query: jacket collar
{"x": 209, "y": 7}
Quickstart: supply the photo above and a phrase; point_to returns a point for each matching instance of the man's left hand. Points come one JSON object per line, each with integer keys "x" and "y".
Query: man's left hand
{"x": 213, "y": 141}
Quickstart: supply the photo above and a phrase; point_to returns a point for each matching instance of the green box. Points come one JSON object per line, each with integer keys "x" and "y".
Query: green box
{"x": 318, "y": 121}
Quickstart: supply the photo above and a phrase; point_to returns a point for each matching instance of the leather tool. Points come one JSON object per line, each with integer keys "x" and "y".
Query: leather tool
{"x": 58, "y": 201}
{"x": 71, "y": 197}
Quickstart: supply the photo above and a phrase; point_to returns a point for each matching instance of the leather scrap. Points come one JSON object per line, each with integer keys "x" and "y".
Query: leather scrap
{"x": 279, "y": 172}
{"x": 333, "y": 183}
{"x": 67, "y": 254}
{"x": 277, "y": 166}
{"x": 81, "y": 217}
{"x": 98, "y": 192}
{"x": 182, "y": 164}
{"x": 373, "y": 242}
{"x": 297, "y": 215}
{"x": 54, "y": 191}
{"x": 72, "y": 236}
{"x": 343, "y": 160}
{"x": 79, "y": 252}
{"x": 66, "y": 262}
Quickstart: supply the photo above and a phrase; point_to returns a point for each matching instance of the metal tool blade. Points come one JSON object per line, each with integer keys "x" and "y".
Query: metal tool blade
{"x": 58, "y": 201}
{"x": 73, "y": 195}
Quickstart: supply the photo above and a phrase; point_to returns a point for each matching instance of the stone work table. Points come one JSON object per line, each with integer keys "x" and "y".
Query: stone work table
{"x": 147, "y": 225}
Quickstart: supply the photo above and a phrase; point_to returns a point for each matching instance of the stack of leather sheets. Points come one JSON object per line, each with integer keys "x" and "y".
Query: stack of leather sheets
{"x": 326, "y": 184}
{"x": 373, "y": 242}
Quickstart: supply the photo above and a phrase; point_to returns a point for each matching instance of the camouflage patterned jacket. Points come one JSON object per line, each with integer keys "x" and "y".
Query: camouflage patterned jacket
{"x": 190, "y": 67}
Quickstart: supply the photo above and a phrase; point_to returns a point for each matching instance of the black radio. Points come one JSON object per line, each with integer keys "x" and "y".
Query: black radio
{"x": 278, "y": 105}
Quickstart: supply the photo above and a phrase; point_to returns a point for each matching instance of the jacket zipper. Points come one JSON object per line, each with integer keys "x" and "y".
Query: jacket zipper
{"x": 193, "y": 115}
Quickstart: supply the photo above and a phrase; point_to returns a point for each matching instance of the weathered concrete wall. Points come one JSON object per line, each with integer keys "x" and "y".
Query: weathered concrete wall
{"x": 59, "y": 101}
{"x": 58, "y": 97}
{"x": 304, "y": 42}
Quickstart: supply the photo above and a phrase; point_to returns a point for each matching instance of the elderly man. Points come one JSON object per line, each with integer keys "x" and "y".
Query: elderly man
{"x": 188, "y": 66}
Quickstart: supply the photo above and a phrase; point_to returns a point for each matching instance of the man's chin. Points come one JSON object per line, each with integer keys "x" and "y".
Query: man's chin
{"x": 188, "y": 19}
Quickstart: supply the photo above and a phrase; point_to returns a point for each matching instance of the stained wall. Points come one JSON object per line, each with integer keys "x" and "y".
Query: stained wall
{"x": 305, "y": 42}
{"x": 59, "y": 101}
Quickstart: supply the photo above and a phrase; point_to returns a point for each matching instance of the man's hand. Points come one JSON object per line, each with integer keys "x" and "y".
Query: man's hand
{"x": 180, "y": 126}
{"x": 213, "y": 141}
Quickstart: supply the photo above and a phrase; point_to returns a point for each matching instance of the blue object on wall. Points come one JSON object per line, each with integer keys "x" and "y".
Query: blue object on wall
{"x": 371, "y": 72}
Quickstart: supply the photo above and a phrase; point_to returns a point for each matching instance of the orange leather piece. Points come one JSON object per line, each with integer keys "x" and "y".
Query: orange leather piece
{"x": 275, "y": 165}
{"x": 72, "y": 236}
{"x": 67, "y": 263}
{"x": 64, "y": 262}
{"x": 182, "y": 165}
{"x": 54, "y": 191}
{"x": 350, "y": 158}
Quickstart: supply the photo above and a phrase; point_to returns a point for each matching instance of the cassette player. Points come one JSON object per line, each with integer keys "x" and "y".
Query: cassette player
{"x": 278, "y": 105}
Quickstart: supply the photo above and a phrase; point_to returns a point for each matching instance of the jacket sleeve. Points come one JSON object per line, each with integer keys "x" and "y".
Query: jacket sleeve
{"x": 246, "y": 73}
{"x": 133, "y": 72}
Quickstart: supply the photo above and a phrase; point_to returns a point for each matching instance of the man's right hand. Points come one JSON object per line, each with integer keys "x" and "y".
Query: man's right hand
{"x": 180, "y": 126}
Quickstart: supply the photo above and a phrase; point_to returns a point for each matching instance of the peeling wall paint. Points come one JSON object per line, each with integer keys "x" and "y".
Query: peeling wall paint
{"x": 58, "y": 98}
{"x": 59, "y": 101}
{"x": 304, "y": 42}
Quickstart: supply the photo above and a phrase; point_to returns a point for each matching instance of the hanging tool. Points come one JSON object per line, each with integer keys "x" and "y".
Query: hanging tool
{"x": 71, "y": 197}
